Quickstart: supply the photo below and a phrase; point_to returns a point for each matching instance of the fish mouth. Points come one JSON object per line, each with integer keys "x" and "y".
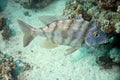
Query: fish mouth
{"x": 105, "y": 41}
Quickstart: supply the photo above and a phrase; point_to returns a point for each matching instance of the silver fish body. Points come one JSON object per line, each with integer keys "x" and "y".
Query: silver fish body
{"x": 72, "y": 32}
{"x": 66, "y": 32}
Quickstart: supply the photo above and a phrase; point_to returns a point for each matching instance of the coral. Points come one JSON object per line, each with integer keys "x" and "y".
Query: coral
{"x": 10, "y": 69}
{"x": 72, "y": 9}
{"x": 114, "y": 52}
{"x": 104, "y": 12}
{"x": 107, "y": 21}
{"x": 109, "y": 4}
{"x": 6, "y": 31}
{"x": 6, "y": 34}
{"x": 108, "y": 55}
{"x": 114, "y": 55}
{"x": 75, "y": 8}
{"x": 105, "y": 61}
{"x": 34, "y": 3}
{"x": 2, "y": 22}
{"x": 107, "y": 14}
{"x": 117, "y": 27}
{"x": 118, "y": 9}
{"x": 108, "y": 62}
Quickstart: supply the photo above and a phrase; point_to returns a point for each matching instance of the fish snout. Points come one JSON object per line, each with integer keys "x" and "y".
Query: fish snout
{"x": 106, "y": 41}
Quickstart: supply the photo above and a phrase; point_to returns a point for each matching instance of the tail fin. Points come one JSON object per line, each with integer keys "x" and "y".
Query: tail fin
{"x": 26, "y": 28}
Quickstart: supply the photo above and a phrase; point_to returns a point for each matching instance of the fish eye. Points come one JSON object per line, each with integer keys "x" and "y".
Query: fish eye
{"x": 96, "y": 34}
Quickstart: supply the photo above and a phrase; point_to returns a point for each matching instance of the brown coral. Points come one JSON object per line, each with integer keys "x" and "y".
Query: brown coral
{"x": 109, "y": 4}
{"x": 8, "y": 67}
{"x": 6, "y": 34}
{"x": 108, "y": 21}
{"x": 106, "y": 62}
{"x": 6, "y": 31}
{"x": 2, "y": 22}
{"x": 74, "y": 9}
{"x": 104, "y": 12}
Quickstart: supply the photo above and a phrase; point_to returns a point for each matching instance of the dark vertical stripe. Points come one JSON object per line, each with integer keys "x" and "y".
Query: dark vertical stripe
{"x": 77, "y": 32}
{"x": 67, "y": 31}
{"x": 84, "y": 33}
{"x": 70, "y": 25}
{"x": 64, "y": 32}
{"x": 42, "y": 29}
{"x": 86, "y": 30}
{"x": 74, "y": 35}
{"x": 59, "y": 30}
{"x": 52, "y": 33}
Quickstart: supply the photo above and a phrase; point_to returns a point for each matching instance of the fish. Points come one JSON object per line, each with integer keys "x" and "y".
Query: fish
{"x": 69, "y": 32}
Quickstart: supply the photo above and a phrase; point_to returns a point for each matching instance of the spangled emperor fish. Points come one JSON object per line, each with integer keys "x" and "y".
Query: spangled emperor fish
{"x": 71, "y": 32}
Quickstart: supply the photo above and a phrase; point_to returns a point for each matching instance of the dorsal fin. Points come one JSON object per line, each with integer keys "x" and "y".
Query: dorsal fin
{"x": 49, "y": 19}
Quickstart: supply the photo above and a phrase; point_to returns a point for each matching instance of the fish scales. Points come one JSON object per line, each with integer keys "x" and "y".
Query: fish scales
{"x": 49, "y": 30}
{"x": 64, "y": 27}
{"x": 57, "y": 37}
{"x": 79, "y": 35}
{"x": 67, "y": 32}
{"x": 75, "y": 28}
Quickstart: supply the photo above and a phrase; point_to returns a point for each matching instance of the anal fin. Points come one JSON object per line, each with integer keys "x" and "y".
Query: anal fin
{"x": 48, "y": 45}
{"x": 71, "y": 50}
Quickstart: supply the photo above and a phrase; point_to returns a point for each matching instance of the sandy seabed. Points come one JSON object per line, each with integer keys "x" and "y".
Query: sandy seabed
{"x": 49, "y": 64}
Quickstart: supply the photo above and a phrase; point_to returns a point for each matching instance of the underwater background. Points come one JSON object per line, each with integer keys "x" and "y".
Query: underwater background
{"x": 37, "y": 63}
